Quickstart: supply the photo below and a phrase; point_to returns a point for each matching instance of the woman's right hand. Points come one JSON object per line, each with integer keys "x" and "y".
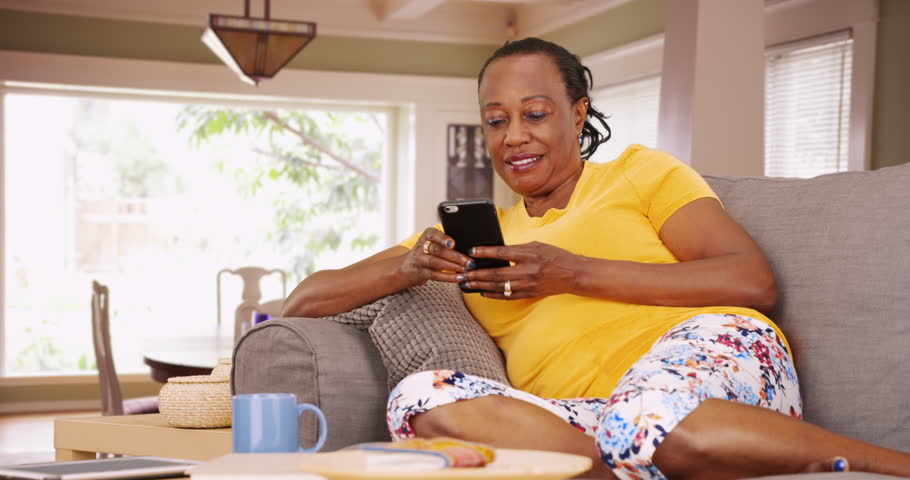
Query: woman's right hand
{"x": 435, "y": 258}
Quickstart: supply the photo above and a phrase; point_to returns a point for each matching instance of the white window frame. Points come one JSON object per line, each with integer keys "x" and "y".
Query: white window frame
{"x": 415, "y": 104}
{"x": 777, "y": 51}
{"x": 387, "y": 194}
{"x": 787, "y": 22}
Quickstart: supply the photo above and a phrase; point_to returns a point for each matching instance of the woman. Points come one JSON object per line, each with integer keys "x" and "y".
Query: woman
{"x": 630, "y": 317}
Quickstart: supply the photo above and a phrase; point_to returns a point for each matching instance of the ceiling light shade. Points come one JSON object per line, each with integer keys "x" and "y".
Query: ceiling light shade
{"x": 256, "y": 48}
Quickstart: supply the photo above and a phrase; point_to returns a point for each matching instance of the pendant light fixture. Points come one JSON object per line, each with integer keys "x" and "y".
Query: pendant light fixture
{"x": 256, "y": 48}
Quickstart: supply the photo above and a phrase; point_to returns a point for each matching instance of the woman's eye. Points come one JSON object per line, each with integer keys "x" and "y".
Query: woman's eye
{"x": 537, "y": 115}
{"x": 495, "y": 122}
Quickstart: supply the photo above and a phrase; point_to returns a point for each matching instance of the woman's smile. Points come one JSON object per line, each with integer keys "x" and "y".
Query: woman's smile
{"x": 524, "y": 162}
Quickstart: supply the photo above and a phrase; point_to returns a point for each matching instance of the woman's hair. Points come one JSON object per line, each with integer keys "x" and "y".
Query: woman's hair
{"x": 576, "y": 77}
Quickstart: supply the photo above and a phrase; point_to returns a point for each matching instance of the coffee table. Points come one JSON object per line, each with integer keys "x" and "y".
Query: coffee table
{"x": 80, "y": 438}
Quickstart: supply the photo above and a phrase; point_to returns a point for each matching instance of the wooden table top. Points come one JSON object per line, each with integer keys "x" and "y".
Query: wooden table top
{"x": 192, "y": 354}
{"x": 140, "y": 435}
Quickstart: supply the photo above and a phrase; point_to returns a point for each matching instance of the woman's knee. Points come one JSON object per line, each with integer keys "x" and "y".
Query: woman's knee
{"x": 456, "y": 419}
{"x": 632, "y": 432}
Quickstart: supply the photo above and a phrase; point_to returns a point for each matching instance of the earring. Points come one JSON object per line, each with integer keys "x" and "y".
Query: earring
{"x": 581, "y": 137}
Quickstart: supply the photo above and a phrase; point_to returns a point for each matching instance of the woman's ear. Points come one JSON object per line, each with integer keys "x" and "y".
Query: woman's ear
{"x": 581, "y": 112}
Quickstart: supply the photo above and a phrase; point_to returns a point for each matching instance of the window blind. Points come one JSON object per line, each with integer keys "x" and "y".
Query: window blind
{"x": 807, "y": 106}
{"x": 632, "y": 110}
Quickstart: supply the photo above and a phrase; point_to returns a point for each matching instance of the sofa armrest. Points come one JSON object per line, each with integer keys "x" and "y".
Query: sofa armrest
{"x": 331, "y": 365}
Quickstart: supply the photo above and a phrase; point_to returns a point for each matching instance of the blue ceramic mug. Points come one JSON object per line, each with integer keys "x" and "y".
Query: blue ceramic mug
{"x": 267, "y": 423}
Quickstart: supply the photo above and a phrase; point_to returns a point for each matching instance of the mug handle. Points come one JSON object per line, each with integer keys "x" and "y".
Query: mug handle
{"x": 302, "y": 407}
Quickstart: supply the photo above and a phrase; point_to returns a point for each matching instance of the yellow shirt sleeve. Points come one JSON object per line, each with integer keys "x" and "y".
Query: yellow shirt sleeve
{"x": 663, "y": 183}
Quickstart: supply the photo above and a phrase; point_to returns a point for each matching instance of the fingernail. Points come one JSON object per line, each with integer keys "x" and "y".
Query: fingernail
{"x": 449, "y": 243}
{"x": 471, "y": 253}
{"x": 839, "y": 465}
{"x": 472, "y": 264}
{"x": 463, "y": 284}
{"x": 461, "y": 278}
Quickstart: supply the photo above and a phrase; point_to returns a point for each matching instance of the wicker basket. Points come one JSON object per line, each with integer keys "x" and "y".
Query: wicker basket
{"x": 199, "y": 401}
{"x": 223, "y": 370}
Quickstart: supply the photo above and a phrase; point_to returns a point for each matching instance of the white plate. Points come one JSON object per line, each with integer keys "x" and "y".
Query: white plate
{"x": 509, "y": 464}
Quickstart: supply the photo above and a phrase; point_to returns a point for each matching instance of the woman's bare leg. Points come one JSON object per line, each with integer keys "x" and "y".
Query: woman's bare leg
{"x": 721, "y": 440}
{"x": 509, "y": 423}
{"x": 718, "y": 440}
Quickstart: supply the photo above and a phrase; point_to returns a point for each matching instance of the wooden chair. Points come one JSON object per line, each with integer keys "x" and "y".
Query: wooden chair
{"x": 252, "y": 293}
{"x": 112, "y": 402}
{"x": 243, "y": 316}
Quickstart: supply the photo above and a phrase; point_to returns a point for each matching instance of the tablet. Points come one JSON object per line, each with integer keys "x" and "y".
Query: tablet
{"x": 108, "y": 468}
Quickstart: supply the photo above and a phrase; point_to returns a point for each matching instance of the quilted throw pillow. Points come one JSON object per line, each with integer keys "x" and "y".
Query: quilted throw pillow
{"x": 428, "y": 328}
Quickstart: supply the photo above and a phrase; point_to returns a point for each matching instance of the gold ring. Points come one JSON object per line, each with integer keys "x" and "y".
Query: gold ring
{"x": 507, "y": 288}
{"x": 426, "y": 247}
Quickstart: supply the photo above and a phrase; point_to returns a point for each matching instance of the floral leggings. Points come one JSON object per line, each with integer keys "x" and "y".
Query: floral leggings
{"x": 722, "y": 356}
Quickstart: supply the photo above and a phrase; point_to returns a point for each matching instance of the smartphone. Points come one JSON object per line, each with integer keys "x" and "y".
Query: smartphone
{"x": 473, "y": 223}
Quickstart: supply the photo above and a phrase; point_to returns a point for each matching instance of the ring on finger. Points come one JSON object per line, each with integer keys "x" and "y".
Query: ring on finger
{"x": 507, "y": 288}
{"x": 426, "y": 247}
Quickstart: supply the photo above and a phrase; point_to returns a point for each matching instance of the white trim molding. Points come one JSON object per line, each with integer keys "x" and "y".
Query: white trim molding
{"x": 634, "y": 60}
{"x": 862, "y": 96}
{"x": 50, "y": 406}
{"x": 538, "y": 19}
{"x": 2, "y": 237}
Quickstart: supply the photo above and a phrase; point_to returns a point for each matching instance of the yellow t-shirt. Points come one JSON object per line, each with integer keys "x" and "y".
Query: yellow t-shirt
{"x": 566, "y": 346}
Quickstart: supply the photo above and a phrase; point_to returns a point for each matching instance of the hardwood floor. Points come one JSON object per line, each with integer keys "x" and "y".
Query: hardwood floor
{"x": 29, "y": 437}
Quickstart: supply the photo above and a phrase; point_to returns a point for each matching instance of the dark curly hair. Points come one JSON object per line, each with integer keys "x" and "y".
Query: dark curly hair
{"x": 576, "y": 77}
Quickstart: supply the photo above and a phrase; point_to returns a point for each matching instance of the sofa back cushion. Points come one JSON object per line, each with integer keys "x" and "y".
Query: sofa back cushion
{"x": 840, "y": 248}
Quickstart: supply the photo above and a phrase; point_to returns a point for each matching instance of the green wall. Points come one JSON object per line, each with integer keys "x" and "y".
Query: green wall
{"x": 73, "y": 35}
{"x": 890, "y": 139}
{"x": 612, "y": 28}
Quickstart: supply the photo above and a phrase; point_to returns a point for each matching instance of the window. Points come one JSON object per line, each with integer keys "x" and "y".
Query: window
{"x": 154, "y": 197}
{"x": 807, "y": 107}
{"x": 632, "y": 111}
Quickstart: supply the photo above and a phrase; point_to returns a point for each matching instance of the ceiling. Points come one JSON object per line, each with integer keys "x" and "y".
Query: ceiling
{"x": 460, "y": 21}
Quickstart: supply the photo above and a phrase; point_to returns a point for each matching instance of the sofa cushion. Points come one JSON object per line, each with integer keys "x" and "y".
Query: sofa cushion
{"x": 840, "y": 248}
{"x": 429, "y": 328}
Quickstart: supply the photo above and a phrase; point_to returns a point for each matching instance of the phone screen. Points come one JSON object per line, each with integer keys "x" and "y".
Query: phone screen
{"x": 473, "y": 223}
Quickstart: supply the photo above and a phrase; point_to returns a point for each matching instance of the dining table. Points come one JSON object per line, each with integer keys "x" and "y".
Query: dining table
{"x": 192, "y": 353}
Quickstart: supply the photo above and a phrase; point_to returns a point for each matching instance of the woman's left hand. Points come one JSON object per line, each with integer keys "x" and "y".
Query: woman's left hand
{"x": 538, "y": 270}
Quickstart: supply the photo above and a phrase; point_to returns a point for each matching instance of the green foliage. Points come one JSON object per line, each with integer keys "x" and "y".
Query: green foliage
{"x": 42, "y": 354}
{"x": 326, "y": 169}
{"x": 136, "y": 163}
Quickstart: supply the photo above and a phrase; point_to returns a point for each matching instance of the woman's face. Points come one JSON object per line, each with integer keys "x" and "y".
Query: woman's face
{"x": 530, "y": 126}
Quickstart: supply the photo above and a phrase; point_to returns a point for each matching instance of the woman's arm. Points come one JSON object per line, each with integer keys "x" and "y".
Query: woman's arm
{"x": 329, "y": 292}
{"x": 719, "y": 264}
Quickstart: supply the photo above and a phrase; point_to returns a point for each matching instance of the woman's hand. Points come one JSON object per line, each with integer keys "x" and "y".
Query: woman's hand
{"x": 434, "y": 258}
{"x": 538, "y": 270}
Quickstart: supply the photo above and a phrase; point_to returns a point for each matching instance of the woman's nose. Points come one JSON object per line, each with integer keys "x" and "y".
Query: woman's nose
{"x": 516, "y": 134}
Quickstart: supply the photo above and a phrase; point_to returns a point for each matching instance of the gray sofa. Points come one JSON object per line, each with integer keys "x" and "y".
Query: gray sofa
{"x": 840, "y": 248}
